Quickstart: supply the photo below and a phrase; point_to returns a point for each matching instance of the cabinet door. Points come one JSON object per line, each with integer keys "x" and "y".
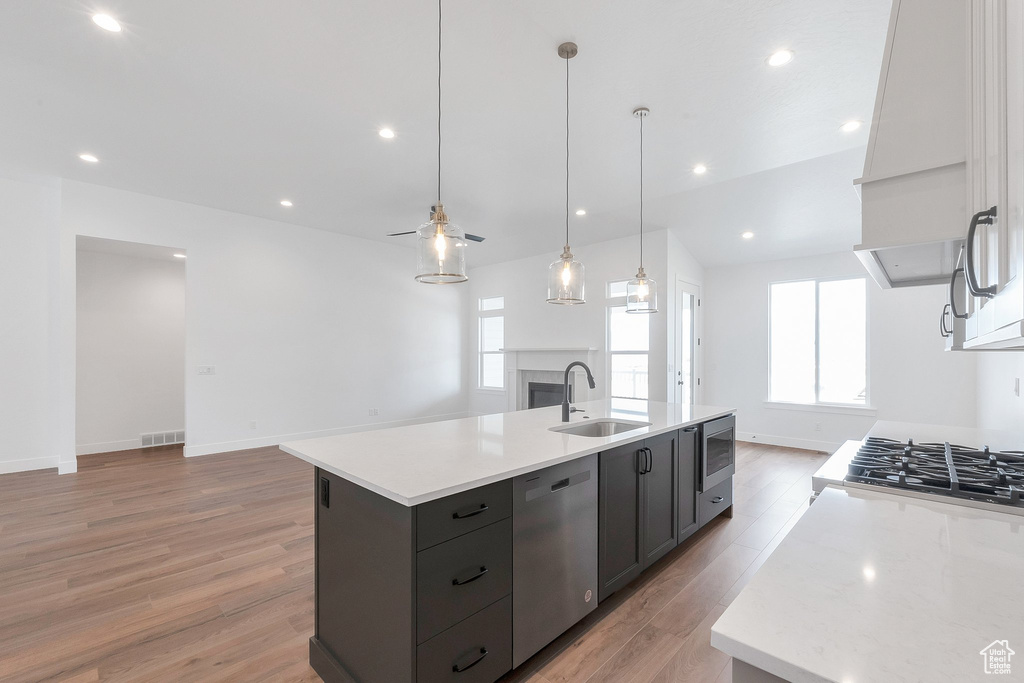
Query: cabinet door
{"x": 686, "y": 488}
{"x": 659, "y": 485}
{"x": 619, "y": 548}
{"x": 984, "y": 116}
{"x": 1010, "y": 301}
{"x": 995, "y": 155}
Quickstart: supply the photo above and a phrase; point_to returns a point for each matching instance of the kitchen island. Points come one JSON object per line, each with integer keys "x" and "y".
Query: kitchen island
{"x": 876, "y": 586}
{"x": 434, "y": 561}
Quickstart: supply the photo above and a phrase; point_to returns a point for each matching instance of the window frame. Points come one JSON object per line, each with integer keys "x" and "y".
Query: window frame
{"x": 818, "y": 405}
{"x": 481, "y": 353}
{"x": 613, "y": 302}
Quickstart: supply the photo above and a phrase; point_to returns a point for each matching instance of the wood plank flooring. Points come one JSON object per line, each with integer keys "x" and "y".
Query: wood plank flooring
{"x": 146, "y": 566}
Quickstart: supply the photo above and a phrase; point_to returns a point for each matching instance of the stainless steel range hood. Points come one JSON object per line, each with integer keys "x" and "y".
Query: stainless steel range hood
{"x": 914, "y": 188}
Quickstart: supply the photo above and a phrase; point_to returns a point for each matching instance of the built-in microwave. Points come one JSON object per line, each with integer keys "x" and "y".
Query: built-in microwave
{"x": 718, "y": 452}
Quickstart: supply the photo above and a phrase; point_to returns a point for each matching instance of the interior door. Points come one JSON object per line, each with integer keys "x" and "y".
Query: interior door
{"x": 687, "y": 382}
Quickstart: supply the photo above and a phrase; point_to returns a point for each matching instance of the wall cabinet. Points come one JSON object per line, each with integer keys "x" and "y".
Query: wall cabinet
{"x": 994, "y": 257}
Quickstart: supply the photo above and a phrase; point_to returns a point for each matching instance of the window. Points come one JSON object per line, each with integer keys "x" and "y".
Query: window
{"x": 491, "y": 372}
{"x": 628, "y": 347}
{"x": 818, "y": 342}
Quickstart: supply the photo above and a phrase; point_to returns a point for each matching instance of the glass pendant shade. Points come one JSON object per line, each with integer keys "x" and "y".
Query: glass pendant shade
{"x": 440, "y": 251}
{"x": 565, "y": 280}
{"x": 641, "y": 294}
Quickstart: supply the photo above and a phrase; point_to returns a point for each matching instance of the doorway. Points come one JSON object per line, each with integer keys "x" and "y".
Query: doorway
{"x": 130, "y": 346}
{"x": 687, "y": 360}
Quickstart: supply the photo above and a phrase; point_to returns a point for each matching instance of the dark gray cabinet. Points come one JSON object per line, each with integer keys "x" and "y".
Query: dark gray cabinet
{"x": 637, "y": 509}
{"x": 412, "y": 593}
{"x": 659, "y": 497}
{"x": 686, "y": 490}
{"x": 427, "y": 593}
{"x": 619, "y": 497}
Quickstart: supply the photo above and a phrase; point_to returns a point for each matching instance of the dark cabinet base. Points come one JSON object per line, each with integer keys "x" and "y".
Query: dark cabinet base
{"x": 325, "y": 665}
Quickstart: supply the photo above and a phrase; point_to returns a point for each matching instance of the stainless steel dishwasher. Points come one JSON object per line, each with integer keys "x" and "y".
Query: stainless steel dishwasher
{"x": 554, "y": 552}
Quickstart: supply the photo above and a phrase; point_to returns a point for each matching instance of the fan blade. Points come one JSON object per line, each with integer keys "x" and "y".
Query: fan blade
{"x": 397, "y": 234}
{"x": 475, "y": 238}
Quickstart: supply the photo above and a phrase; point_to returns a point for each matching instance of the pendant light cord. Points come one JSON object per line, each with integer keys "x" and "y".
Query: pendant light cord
{"x": 566, "y": 153}
{"x": 641, "y": 193}
{"x": 438, "y": 101}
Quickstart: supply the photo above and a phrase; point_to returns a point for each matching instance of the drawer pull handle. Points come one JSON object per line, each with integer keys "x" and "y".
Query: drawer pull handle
{"x": 717, "y": 499}
{"x": 456, "y": 582}
{"x": 483, "y": 653}
{"x": 458, "y": 515}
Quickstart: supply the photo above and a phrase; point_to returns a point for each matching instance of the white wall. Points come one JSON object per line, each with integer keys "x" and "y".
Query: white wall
{"x": 29, "y": 372}
{"x": 999, "y": 407}
{"x": 307, "y": 329}
{"x": 131, "y": 349}
{"x": 531, "y": 322}
{"x": 911, "y": 378}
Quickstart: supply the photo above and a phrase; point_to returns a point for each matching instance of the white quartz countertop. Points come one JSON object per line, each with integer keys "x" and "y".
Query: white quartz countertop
{"x": 419, "y": 463}
{"x": 875, "y": 586}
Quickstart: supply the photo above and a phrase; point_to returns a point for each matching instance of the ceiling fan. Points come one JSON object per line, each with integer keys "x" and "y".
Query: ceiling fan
{"x": 473, "y": 238}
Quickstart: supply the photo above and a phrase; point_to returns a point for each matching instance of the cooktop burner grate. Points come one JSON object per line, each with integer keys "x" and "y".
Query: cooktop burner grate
{"x": 942, "y": 468}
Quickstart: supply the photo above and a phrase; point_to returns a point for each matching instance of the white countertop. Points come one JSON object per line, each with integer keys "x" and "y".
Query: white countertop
{"x": 415, "y": 464}
{"x": 875, "y": 586}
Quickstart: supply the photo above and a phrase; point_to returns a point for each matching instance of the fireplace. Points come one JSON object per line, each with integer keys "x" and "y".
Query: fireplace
{"x": 544, "y": 366}
{"x": 543, "y": 394}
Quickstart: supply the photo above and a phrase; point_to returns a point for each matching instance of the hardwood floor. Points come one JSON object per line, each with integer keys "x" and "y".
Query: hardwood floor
{"x": 146, "y": 566}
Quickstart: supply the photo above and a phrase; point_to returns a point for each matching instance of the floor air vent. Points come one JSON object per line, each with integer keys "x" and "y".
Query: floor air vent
{"x": 162, "y": 438}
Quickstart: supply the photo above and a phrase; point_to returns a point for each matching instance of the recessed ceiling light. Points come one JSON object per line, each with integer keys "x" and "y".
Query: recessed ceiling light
{"x": 107, "y": 22}
{"x": 386, "y": 133}
{"x": 850, "y": 126}
{"x": 781, "y": 57}
{"x": 286, "y": 202}
{"x": 179, "y": 256}
{"x": 88, "y": 157}
{"x": 747, "y": 235}
{"x": 700, "y": 169}
{"x": 581, "y": 212}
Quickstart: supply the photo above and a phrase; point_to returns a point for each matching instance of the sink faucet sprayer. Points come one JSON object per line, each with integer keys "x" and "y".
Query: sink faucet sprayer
{"x": 565, "y": 386}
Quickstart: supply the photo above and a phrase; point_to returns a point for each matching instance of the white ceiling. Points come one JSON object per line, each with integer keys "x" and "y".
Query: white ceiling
{"x": 132, "y": 249}
{"x": 236, "y": 104}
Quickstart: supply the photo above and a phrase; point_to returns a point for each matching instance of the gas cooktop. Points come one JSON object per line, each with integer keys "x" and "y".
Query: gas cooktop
{"x": 941, "y": 468}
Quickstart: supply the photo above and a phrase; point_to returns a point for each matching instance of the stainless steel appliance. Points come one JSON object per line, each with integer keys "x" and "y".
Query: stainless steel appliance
{"x": 718, "y": 452}
{"x": 554, "y": 553}
{"x": 940, "y": 468}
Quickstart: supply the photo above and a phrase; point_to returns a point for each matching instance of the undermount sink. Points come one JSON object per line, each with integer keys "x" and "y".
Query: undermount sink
{"x": 601, "y": 427}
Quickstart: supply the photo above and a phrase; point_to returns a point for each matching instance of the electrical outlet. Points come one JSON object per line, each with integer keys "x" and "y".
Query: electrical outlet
{"x": 207, "y": 369}
{"x": 374, "y": 412}
{"x": 817, "y": 426}
{"x": 252, "y": 424}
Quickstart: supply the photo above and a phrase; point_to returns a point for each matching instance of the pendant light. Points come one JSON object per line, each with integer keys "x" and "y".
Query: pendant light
{"x": 641, "y": 291}
{"x": 565, "y": 276}
{"x": 440, "y": 247}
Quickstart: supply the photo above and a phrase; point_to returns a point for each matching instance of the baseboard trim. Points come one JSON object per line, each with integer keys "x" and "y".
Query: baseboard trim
{"x": 69, "y": 467}
{"x": 12, "y": 466}
{"x": 108, "y": 447}
{"x": 261, "y": 442}
{"x": 789, "y": 442}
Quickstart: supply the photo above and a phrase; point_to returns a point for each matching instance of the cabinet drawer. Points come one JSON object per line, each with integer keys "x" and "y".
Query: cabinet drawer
{"x": 481, "y": 564}
{"x": 477, "y": 650}
{"x": 714, "y": 501}
{"x": 446, "y": 518}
